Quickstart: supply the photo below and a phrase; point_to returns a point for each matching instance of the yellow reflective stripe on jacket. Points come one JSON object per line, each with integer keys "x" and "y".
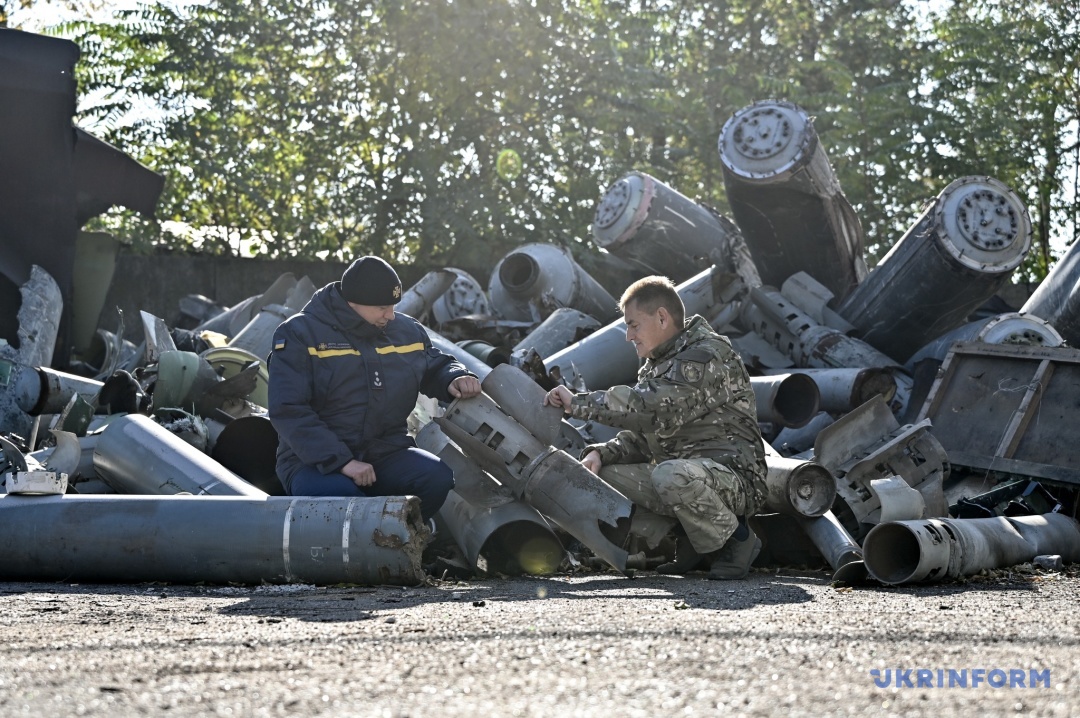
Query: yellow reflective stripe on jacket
{"x": 417, "y": 347}
{"x": 325, "y": 353}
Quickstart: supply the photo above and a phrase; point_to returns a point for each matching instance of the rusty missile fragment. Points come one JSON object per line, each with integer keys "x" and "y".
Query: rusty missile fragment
{"x": 643, "y": 221}
{"x": 786, "y": 199}
{"x": 531, "y": 282}
{"x": 254, "y": 540}
{"x": 959, "y": 252}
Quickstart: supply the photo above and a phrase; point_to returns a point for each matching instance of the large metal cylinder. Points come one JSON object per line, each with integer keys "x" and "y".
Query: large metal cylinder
{"x": 470, "y": 362}
{"x": 604, "y": 358}
{"x": 959, "y": 252}
{"x": 532, "y": 281}
{"x": 787, "y": 200}
{"x": 511, "y": 538}
{"x": 1057, "y": 298}
{"x": 933, "y": 549}
{"x": 642, "y": 220}
{"x": 135, "y": 455}
{"x": 1010, "y": 328}
{"x": 212, "y": 539}
{"x": 785, "y": 399}
{"x": 841, "y": 390}
{"x": 837, "y": 546}
{"x": 548, "y": 479}
{"x": 797, "y": 335}
{"x": 797, "y": 487}
{"x": 257, "y": 336}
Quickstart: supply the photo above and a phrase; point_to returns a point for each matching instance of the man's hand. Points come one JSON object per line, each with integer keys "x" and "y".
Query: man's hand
{"x": 361, "y": 474}
{"x": 559, "y": 396}
{"x": 592, "y": 461}
{"x": 464, "y": 387}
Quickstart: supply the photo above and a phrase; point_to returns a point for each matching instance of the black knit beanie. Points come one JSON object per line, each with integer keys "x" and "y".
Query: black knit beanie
{"x": 371, "y": 281}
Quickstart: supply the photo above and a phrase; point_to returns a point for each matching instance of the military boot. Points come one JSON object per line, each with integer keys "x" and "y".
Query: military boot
{"x": 686, "y": 558}
{"x": 734, "y": 559}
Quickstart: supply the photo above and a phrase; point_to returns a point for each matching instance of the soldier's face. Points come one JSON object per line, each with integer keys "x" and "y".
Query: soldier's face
{"x": 379, "y": 316}
{"x": 647, "y": 331}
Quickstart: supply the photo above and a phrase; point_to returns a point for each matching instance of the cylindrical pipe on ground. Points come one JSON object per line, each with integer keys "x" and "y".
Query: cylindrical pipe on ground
{"x": 842, "y": 390}
{"x": 837, "y": 546}
{"x": 135, "y": 455}
{"x": 786, "y": 199}
{"x": 531, "y": 282}
{"x": 959, "y": 252}
{"x": 785, "y": 399}
{"x": 933, "y": 549}
{"x": 797, "y": 487}
{"x": 511, "y": 538}
{"x": 212, "y": 539}
{"x": 644, "y": 221}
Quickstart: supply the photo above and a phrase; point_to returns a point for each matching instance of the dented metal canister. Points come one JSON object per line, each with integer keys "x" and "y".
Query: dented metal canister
{"x": 786, "y": 199}
{"x": 532, "y": 281}
{"x": 959, "y": 252}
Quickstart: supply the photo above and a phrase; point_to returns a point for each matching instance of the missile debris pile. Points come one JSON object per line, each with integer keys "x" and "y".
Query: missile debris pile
{"x": 907, "y": 439}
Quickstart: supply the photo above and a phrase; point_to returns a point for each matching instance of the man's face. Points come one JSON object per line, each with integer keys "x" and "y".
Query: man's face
{"x": 647, "y": 331}
{"x": 379, "y": 316}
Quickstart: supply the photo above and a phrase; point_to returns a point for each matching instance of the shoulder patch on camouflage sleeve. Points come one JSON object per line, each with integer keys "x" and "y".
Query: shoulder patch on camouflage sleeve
{"x": 691, "y": 371}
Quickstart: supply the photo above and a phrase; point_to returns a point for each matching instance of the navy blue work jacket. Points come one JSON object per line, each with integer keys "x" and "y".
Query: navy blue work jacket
{"x": 342, "y": 389}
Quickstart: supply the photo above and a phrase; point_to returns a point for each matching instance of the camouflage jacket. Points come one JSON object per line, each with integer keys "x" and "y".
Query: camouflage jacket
{"x": 692, "y": 400}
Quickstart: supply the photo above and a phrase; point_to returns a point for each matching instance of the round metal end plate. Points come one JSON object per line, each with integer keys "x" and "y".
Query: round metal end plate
{"x": 1015, "y": 328}
{"x": 983, "y": 224}
{"x": 765, "y": 139}
{"x": 616, "y": 210}
{"x": 464, "y": 297}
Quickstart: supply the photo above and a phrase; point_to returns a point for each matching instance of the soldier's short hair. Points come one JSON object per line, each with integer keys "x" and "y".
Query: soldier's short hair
{"x": 651, "y": 293}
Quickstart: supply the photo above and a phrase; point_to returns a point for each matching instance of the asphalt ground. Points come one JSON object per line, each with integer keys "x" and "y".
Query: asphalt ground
{"x": 586, "y": 644}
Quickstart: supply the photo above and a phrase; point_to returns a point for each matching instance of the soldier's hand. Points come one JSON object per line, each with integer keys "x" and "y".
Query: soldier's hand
{"x": 592, "y": 461}
{"x": 464, "y": 387}
{"x": 361, "y": 473}
{"x": 559, "y": 396}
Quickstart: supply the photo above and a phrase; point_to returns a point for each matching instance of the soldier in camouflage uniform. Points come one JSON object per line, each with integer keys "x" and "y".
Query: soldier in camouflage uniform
{"x": 690, "y": 454}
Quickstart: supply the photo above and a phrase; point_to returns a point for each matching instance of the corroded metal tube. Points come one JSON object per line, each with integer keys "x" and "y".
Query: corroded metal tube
{"x": 212, "y": 539}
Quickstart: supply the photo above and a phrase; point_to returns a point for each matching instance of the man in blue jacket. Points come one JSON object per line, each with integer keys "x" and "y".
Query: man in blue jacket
{"x": 345, "y": 374}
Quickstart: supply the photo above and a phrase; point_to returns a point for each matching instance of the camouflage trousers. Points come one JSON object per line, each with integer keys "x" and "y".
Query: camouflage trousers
{"x": 704, "y": 496}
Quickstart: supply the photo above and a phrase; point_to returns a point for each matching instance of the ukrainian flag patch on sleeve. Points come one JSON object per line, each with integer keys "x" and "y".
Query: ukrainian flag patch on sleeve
{"x": 279, "y": 345}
